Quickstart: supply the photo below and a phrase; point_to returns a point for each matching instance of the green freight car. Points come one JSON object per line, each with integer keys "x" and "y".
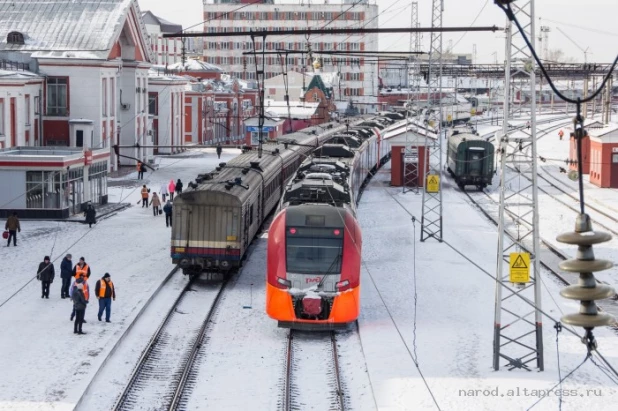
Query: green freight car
{"x": 470, "y": 160}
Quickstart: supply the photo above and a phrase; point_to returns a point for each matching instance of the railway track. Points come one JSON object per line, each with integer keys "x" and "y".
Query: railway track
{"x": 550, "y": 256}
{"x": 313, "y": 357}
{"x": 162, "y": 371}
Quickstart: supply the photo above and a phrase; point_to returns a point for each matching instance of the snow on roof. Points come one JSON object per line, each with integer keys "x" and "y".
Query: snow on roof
{"x": 162, "y": 75}
{"x": 63, "y": 28}
{"x": 194, "y": 65}
{"x": 298, "y": 109}
{"x": 602, "y": 131}
{"x": 164, "y": 25}
{"x": 18, "y": 75}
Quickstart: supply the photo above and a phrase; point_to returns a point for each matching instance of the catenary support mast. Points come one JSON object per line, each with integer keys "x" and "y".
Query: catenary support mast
{"x": 518, "y": 338}
{"x": 410, "y": 154}
{"x": 431, "y": 221}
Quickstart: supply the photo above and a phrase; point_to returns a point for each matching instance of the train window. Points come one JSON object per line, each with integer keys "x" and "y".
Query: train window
{"x": 313, "y": 255}
{"x": 251, "y": 214}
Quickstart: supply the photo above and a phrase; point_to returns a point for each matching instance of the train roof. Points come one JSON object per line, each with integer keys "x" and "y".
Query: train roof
{"x": 459, "y": 138}
{"x": 297, "y": 216}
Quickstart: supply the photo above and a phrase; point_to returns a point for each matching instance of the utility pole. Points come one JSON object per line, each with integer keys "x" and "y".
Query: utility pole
{"x": 410, "y": 154}
{"x": 518, "y": 333}
{"x": 431, "y": 221}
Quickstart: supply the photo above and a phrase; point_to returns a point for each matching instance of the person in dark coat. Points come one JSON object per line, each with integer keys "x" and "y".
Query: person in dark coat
{"x": 167, "y": 209}
{"x": 79, "y": 305}
{"x": 105, "y": 292}
{"x": 219, "y": 150}
{"x": 66, "y": 272}
{"x": 142, "y": 169}
{"x": 178, "y": 186}
{"x": 46, "y": 275}
{"x": 91, "y": 215}
{"x": 12, "y": 225}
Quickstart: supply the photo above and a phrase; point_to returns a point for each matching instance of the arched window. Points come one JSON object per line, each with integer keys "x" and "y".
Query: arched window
{"x": 15, "y": 37}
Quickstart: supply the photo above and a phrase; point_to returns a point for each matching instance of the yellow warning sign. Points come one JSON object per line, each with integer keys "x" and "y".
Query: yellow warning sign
{"x": 449, "y": 118}
{"x": 519, "y": 267}
{"x": 473, "y": 111}
{"x": 433, "y": 183}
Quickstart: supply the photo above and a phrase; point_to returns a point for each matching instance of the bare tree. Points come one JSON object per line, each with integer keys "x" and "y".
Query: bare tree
{"x": 558, "y": 56}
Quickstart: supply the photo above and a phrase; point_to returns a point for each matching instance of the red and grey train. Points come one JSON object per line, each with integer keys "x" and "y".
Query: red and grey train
{"x": 315, "y": 241}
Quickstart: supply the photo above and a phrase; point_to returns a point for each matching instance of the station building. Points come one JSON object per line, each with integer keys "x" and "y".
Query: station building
{"x": 604, "y": 156}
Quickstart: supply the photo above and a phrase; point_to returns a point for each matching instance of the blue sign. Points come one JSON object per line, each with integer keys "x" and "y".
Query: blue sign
{"x": 257, "y": 129}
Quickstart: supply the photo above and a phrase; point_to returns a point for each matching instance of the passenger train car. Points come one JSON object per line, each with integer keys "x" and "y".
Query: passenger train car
{"x": 219, "y": 214}
{"x": 470, "y": 159}
{"x": 315, "y": 242}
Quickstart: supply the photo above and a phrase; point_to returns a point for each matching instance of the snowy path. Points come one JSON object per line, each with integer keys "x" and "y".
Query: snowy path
{"x": 454, "y": 316}
{"x": 42, "y": 364}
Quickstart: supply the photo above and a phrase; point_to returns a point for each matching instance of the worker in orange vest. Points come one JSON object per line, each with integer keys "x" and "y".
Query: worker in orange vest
{"x": 561, "y": 134}
{"x": 145, "y": 194}
{"x": 81, "y": 269}
{"x": 140, "y": 170}
{"x": 105, "y": 291}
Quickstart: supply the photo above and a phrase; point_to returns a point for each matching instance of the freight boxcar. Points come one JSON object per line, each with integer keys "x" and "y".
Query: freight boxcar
{"x": 470, "y": 160}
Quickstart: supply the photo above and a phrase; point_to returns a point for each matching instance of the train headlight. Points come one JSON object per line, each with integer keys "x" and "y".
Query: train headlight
{"x": 284, "y": 282}
{"x": 343, "y": 285}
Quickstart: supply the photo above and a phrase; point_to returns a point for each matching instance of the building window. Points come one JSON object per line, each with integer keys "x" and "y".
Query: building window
{"x": 1, "y": 117}
{"x": 57, "y": 96}
{"x": 112, "y": 86}
{"x": 152, "y": 104}
{"x": 15, "y": 37}
{"x": 614, "y": 158}
{"x": 104, "y": 96}
{"x": 27, "y": 101}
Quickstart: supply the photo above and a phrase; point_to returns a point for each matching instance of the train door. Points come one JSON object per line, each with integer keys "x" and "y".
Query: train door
{"x": 474, "y": 160}
{"x": 245, "y": 233}
{"x": 614, "y": 171}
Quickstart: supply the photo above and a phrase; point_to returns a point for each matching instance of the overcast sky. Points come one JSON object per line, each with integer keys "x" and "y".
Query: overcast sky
{"x": 590, "y": 23}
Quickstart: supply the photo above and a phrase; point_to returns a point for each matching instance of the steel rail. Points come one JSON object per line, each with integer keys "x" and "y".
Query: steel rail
{"x": 287, "y": 394}
{"x": 149, "y": 349}
{"x": 197, "y": 344}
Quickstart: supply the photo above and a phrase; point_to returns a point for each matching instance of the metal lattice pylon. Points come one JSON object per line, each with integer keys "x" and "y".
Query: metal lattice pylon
{"x": 410, "y": 154}
{"x": 431, "y": 222}
{"x": 518, "y": 337}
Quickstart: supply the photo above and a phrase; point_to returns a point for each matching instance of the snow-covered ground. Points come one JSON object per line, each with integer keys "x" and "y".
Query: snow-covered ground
{"x": 45, "y": 367}
{"x": 454, "y": 317}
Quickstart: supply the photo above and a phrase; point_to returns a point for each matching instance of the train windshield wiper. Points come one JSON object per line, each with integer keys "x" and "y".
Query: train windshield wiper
{"x": 330, "y": 269}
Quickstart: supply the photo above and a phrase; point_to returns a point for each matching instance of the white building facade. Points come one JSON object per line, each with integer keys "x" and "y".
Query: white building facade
{"x": 166, "y": 50}
{"x": 167, "y": 106}
{"x": 20, "y": 95}
{"x": 359, "y": 78}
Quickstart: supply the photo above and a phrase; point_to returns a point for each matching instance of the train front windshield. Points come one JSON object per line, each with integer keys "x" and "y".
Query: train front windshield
{"x": 314, "y": 251}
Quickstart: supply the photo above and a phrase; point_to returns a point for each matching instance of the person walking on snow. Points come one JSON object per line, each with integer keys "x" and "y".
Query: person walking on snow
{"x": 105, "y": 292}
{"x": 167, "y": 209}
{"x": 164, "y": 191}
{"x": 12, "y": 225}
{"x": 140, "y": 175}
{"x": 79, "y": 306}
{"x": 156, "y": 203}
{"x": 172, "y": 188}
{"x": 178, "y": 187}
{"x": 145, "y": 191}
{"x": 46, "y": 275}
{"x": 66, "y": 272}
{"x": 219, "y": 150}
{"x": 91, "y": 215}
{"x": 86, "y": 291}
{"x": 561, "y": 134}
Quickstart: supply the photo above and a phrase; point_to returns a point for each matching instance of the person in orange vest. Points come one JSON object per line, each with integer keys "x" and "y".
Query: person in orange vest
{"x": 81, "y": 279}
{"x": 105, "y": 292}
{"x": 81, "y": 269}
{"x": 145, "y": 191}
{"x": 561, "y": 134}
{"x": 140, "y": 170}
